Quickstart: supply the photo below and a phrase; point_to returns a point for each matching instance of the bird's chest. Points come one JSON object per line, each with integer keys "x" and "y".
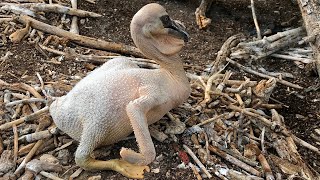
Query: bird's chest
{"x": 157, "y": 112}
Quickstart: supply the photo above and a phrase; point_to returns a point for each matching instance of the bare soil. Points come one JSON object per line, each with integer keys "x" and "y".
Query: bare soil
{"x": 229, "y": 17}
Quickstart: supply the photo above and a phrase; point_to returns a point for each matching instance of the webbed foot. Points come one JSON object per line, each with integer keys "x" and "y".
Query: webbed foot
{"x": 130, "y": 170}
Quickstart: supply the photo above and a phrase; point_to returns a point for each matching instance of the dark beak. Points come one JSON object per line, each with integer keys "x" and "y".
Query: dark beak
{"x": 175, "y": 28}
{"x": 179, "y": 30}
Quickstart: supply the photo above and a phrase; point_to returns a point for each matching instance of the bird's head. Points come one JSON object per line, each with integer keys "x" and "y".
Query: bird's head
{"x": 153, "y": 29}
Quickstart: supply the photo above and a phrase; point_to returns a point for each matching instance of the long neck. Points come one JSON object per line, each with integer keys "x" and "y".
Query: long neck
{"x": 172, "y": 64}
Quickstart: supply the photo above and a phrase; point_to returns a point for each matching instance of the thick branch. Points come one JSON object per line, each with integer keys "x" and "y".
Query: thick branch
{"x": 268, "y": 45}
{"x": 56, "y": 8}
{"x": 311, "y": 16}
{"x": 79, "y": 39}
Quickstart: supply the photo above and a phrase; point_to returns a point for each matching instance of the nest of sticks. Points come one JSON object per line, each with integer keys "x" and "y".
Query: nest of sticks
{"x": 232, "y": 129}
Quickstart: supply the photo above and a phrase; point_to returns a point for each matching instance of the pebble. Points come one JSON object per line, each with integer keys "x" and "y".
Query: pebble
{"x": 49, "y": 158}
{"x": 156, "y": 170}
{"x": 95, "y": 177}
{"x": 63, "y": 156}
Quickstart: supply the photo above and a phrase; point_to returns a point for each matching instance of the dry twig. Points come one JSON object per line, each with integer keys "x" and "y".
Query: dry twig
{"x": 194, "y": 157}
{"x": 28, "y": 157}
{"x": 255, "y": 19}
{"x": 74, "y": 23}
{"x": 23, "y": 119}
{"x": 234, "y": 161}
{"x": 284, "y": 82}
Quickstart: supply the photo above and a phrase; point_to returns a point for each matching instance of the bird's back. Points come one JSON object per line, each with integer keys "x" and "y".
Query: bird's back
{"x": 99, "y": 99}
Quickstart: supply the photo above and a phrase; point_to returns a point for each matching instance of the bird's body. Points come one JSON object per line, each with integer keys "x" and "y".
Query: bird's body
{"x": 106, "y": 92}
{"x": 119, "y": 97}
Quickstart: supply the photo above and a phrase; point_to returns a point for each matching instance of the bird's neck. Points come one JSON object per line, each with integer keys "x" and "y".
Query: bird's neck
{"x": 174, "y": 66}
{"x": 171, "y": 64}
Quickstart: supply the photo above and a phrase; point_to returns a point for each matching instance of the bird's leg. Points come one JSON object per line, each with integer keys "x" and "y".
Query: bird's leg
{"x": 136, "y": 111}
{"x": 89, "y": 140}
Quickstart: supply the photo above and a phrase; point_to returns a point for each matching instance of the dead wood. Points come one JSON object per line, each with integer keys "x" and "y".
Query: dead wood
{"x": 17, "y": 36}
{"x": 158, "y": 135}
{"x": 79, "y": 39}
{"x": 268, "y": 45}
{"x": 194, "y": 157}
{"x": 287, "y": 57}
{"x": 91, "y": 1}
{"x": 195, "y": 171}
{"x": 200, "y": 13}
{"x": 38, "y": 135}
{"x": 284, "y": 82}
{"x": 236, "y": 175}
{"x": 25, "y": 1}
{"x": 76, "y": 173}
{"x": 234, "y": 161}
{"x": 15, "y": 143}
{"x": 49, "y": 175}
{"x": 24, "y": 101}
{"x": 23, "y": 119}
{"x": 310, "y": 11}
{"x": 31, "y": 90}
{"x": 56, "y": 8}
{"x": 224, "y": 52}
{"x": 6, "y": 163}
{"x": 266, "y": 167}
{"x": 282, "y": 129}
{"x": 36, "y": 166}
{"x": 72, "y": 55}
{"x": 255, "y": 20}
{"x": 174, "y": 126}
{"x": 1, "y": 145}
{"x": 74, "y": 23}
{"x": 20, "y": 10}
{"x": 25, "y": 149}
{"x": 28, "y": 157}
{"x": 5, "y": 20}
{"x": 239, "y": 156}
{"x": 290, "y": 168}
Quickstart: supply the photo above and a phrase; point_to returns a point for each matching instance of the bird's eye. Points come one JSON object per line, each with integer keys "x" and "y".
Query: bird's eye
{"x": 165, "y": 19}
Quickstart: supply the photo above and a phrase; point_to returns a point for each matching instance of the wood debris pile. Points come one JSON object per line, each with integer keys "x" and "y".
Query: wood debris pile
{"x": 234, "y": 130}
{"x": 237, "y": 126}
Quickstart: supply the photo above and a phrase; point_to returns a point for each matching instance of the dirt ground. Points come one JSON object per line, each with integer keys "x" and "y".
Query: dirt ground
{"x": 229, "y": 17}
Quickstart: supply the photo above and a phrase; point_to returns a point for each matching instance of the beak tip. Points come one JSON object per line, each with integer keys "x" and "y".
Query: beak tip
{"x": 186, "y": 38}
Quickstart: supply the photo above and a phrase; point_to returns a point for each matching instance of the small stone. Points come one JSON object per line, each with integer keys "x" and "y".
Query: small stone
{"x": 63, "y": 156}
{"x": 82, "y": 21}
{"x": 6, "y": 164}
{"x": 49, "y": 158}
{"x": 276, "y": 12}
{"x": 160, "y": 158}
{"x": 299, "y": 116}
{"x": 182, "y": 166}
{"x": 89, "y": 66}
{"x": 156, "y": 170}
{"x": 168, "y": 174}
{"x": 95, "y": 177}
